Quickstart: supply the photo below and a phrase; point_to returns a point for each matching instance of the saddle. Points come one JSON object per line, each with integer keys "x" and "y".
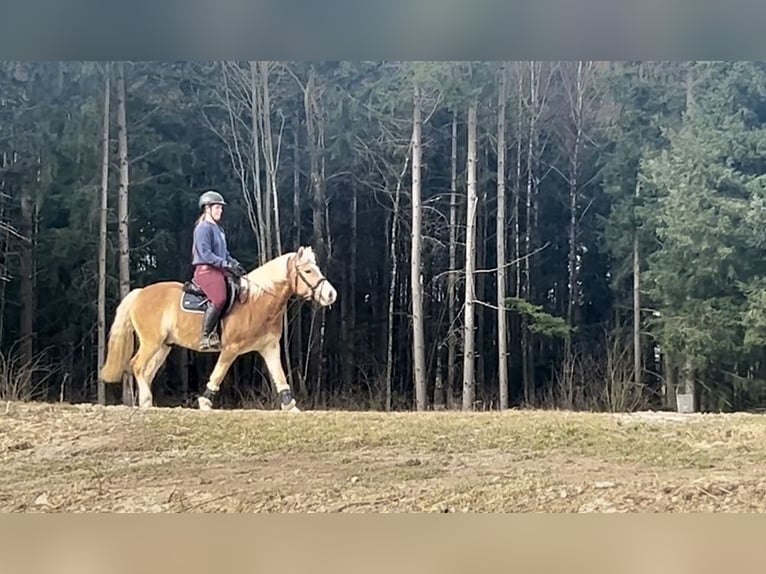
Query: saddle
{"x": 194, "y": 300}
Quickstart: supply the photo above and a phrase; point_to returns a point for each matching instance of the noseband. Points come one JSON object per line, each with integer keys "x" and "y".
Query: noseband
{"x": 299, "y": 275}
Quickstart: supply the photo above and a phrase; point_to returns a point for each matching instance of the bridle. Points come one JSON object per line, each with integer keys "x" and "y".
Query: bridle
{"x": 299, "y": 275}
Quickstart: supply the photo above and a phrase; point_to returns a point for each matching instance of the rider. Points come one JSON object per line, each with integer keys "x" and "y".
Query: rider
{"x": 211, "y": 259}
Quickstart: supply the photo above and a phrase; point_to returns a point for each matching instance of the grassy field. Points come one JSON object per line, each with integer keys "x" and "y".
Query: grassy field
{"x": 65, "y": 458}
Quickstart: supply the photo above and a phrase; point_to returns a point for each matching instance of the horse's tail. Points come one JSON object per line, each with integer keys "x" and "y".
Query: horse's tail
{"x": 120, "y": 341}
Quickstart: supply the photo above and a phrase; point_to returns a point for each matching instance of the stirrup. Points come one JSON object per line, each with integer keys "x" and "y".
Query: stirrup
{"x": 211, "y": 341}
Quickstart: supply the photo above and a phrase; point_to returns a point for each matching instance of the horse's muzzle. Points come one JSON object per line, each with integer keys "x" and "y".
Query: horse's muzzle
{"x": 327, "y": 294}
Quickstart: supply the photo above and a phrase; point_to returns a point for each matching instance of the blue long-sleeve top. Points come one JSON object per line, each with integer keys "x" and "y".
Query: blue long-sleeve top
{"x": 209, "y": 245}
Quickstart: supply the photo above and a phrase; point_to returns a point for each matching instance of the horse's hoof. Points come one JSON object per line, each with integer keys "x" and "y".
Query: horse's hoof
{"x": 205, "y": 404}
{"x": 290, "y": 407}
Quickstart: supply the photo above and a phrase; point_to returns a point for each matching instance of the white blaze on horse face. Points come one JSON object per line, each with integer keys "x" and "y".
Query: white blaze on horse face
{"x": 326, "y": 294}
{"x": 316, "y": 284}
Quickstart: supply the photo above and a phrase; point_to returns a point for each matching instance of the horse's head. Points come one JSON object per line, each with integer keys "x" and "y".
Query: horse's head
{"x": 308, "y": 281}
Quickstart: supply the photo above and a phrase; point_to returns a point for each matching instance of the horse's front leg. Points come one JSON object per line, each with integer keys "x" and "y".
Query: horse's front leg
{"x": 271, "y": 357}
{"x": 225, "y": 360}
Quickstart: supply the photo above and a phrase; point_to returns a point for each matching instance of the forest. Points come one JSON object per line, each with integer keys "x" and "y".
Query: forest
{"x": 583, "y": 235}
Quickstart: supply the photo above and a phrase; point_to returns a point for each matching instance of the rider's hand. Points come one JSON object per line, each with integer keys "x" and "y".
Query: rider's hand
{"x": 235, "y": 268}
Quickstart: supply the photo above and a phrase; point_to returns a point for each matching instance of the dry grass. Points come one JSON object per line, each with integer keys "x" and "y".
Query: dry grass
{"x": 88, "y": 458}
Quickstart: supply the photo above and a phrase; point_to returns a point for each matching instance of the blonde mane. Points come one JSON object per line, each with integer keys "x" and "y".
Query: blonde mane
{"x": 267, "y": 277}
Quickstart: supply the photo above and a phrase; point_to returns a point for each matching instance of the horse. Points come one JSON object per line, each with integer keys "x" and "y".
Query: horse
{"x": 169, "y": 313}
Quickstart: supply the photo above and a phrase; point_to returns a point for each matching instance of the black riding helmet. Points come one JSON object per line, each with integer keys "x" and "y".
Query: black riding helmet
{"x": 210, "y": 198}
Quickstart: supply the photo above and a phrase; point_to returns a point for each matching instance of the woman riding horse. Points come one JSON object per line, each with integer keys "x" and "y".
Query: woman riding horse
{"x": 210, "y": 259}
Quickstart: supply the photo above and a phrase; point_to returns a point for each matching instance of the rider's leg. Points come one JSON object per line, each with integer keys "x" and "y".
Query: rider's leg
{"x": 213, "y": 283}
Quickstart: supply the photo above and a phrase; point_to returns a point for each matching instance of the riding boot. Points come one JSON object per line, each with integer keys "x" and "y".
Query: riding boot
{"x": 210, "y": 339}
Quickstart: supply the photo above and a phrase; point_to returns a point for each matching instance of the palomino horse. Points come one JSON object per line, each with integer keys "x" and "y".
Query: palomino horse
{"x": 163, "y": 314}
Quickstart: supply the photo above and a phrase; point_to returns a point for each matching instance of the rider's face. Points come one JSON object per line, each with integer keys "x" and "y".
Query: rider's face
{"x": 216, "y": 211}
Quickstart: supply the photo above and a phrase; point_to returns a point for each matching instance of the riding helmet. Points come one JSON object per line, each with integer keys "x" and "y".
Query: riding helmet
{"x": 210, "y": 198}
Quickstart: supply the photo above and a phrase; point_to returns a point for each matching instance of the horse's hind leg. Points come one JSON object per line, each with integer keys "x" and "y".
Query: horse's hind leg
{"x": 146, "y": 363}
{"x": 225, "y": 360}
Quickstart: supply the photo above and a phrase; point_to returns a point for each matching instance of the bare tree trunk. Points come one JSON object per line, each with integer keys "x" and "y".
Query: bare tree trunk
{"x": 272, "y": 162}
{"x": 452, "y": 278}
{"x": 688, "y": 376}
{"x": 296, "y": 314}
{"x": 538, "y": 86}
{"x": 435, "y": 305}
{"x": 102, "y": 237}
{"x": 26, "y": 271}
{"x": 637, "y": 352}
{"x": 502, "y": 315}
{"x": 390, "y": 315}
{"x": 315, "y": 133}
{"x": 517, "y": 185}
{"x": 576, "y": 92}
{"x": 261, "y": 200}
{"x": 353, "y": 264}
{"x": 637, "y": 370}
{"x": 296, "y": 182}
{"x": 348, "y": 303}
{"x": 122, "y": 141}
{"x": 526, "y": 344}
{"x": 671, "y": 380}
{"x": 439, "y": 376}
{"x": 315, "y": 139}
{"x": 128, "y": 395}
{"x": 6, "y": 246}
{"x": 469, "y": 383}
{"x": 322, "y": 370}
{"x": 392, "y": 287}
{"x": 480, "y": 281}
{"x": 416, "y": 277}
{"x": 516, "y": 324}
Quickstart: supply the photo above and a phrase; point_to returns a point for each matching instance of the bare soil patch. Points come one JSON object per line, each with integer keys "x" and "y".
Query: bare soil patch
{"x": 86, "y": 458}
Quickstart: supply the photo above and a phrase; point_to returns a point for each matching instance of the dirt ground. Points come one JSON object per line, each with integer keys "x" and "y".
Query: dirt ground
{"x": 86, "y": 458}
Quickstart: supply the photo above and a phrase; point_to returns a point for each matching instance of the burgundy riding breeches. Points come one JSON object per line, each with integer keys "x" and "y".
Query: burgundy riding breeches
{"x": 213, "y": 282}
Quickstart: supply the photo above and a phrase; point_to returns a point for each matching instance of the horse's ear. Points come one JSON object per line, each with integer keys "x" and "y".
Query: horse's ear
{"x": 299, "y": 253}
